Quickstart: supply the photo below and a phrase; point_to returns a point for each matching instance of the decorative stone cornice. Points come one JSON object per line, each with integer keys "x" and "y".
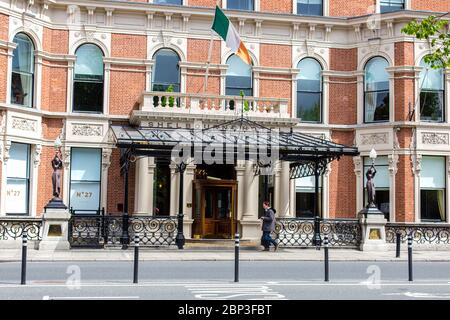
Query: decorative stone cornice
{"x": 37, "y": 155}
{"x": 357, "y": 162}
{"x": 392, "y": 163}
{"x": 435, "y": 138}
{"x": 24, "y": 124}
{"x": 416, "y": 164}
{"x": 106, "y": 157}
{"x": 87, "y": 130}
{"x": 374, "y": 138}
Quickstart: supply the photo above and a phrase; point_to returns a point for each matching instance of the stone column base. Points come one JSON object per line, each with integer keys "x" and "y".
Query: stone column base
{"x": 56, "y": 229}
{"x": 250, "y": 229}
{"x": 187, "y": 228}
{"x": 373, "y": 230}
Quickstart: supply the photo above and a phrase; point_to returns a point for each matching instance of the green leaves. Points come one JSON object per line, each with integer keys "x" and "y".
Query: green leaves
{"x": 434, "y": 30}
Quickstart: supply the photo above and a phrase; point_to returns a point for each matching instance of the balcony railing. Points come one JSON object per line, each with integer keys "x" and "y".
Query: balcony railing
{"x": 213, "y": 104}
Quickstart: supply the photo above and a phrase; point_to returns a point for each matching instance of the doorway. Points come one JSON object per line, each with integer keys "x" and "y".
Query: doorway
{"x": 214, "y": 209}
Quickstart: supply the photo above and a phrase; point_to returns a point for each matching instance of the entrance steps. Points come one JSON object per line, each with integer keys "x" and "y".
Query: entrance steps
{"x": 220, "y": 244}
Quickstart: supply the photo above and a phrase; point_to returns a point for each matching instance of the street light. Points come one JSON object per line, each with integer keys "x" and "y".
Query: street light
{"x": 373, "y": 155}
{"x": 57, "y": 143}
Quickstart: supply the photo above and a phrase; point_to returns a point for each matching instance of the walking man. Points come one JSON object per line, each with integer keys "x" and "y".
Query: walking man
{"x": 268, "y": 225}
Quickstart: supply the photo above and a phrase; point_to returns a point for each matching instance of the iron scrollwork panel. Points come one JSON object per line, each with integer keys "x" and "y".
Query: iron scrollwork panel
{"x": 426, "y": 234}
{"x": 14, "y": 229}
{"x": 298, "y": 232}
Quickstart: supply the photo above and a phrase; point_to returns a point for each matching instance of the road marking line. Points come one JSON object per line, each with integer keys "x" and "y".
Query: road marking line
{"x": 89, "y": 298}
{"x": 302, "y": 284}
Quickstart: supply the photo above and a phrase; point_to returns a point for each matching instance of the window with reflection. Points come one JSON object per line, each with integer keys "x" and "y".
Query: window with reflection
{"x": 309, "y": 90}
{"x": 85, "y": 179}
{"x": 241, "y": 5}
{"x": 391, "y": 5}
{"x": 88, "y": 79}
{"x": 305, "y": 197}
{"x": 310, "y": 7}
{"x": 166, "y": 71}
{"x": 431, "y": 93}
{"x": 169, "y": 2}
{"x": 18, "y": 180}
{"x": 22, "y": 75}
{"x": 239, "y": 77}
{"x": 432, "y": 189}
{"x": 376, "y": 91}
{"x": 161, "y": 188}
{"x": 381, "y": 182}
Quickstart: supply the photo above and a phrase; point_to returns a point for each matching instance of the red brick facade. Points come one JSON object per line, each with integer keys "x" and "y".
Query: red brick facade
{"x": 345, "y": 8}
{"x": 343, "y": 198}
{"x": 128, "y": 76}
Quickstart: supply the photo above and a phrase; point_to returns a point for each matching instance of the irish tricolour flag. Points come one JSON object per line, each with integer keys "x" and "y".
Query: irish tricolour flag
{"x": 224, "y": 28}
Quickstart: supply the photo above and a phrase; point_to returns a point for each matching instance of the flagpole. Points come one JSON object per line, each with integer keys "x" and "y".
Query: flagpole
{"x": 211, "y": 43}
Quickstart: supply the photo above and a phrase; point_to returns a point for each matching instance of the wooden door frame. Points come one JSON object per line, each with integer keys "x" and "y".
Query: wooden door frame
{"x": 201, "y": 185}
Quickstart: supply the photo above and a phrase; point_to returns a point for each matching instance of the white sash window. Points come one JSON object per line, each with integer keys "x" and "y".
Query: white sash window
{"x": 18, "y": 180}
{"x": 432, "y": 189}
{"x": 85, "y": 181}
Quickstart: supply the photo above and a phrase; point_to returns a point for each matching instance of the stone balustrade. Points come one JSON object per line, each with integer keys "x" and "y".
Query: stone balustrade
{"x": 213, "y": 104}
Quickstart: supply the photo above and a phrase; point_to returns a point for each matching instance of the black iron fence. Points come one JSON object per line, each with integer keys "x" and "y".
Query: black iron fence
{"x": 308, "y": 232}
{"x": 425, "y": 234}
{"x": 12, "y": 228}
{"x": 99, "y": 230}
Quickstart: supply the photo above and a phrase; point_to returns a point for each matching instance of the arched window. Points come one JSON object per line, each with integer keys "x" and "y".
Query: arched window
{"x": 431, "y": 93}
{"x": 88, "y": 79}
{"x": 166, "y": 74}
{"x": 239, "y": 77}
{"x": 376, "y": 90}
{"x": 22, "y": 81}
{"x": 309, "y": 90}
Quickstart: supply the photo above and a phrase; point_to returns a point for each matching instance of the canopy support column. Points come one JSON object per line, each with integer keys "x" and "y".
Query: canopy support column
{"x": 125, "y": 239}
{"x": 317, "y": 240}
{"x": 180, "y": 240}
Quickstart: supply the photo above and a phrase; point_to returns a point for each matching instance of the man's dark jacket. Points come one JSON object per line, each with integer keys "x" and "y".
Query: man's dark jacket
{"x": 268, "y": 220}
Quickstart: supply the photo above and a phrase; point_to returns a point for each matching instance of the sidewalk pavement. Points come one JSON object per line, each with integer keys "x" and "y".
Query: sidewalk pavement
{"x": 156, "y": 254}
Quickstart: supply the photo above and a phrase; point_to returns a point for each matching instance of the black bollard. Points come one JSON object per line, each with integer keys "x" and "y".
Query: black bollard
{"x": 397, "y": 251}
{"x": 326, "y": 260}
{"x": 23, "y": 277}
{"x": 236, "y": 257}
{"x": 410, "y": 262}
{"x": 136, "y": 258}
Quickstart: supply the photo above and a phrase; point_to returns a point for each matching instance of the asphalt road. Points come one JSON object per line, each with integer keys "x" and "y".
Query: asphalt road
{"x": 214, "y": 280}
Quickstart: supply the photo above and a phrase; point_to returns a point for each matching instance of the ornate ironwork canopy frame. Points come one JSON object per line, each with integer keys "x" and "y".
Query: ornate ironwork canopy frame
{"x": 239, "y": 139}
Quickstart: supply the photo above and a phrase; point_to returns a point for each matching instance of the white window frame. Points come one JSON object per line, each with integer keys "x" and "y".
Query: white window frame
{"x": 256, "y": 4}
{"x": 325, "y": 7}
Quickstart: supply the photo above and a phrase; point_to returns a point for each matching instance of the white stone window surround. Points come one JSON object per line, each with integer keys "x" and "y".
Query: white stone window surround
{"x": 226, "y": 54}
{"x": 407, "y": 5}
{"x": 37, "y": 76}
{"x": 34, "y": 162}
{"x": 325, "y": 88}
{"x": 416, "y": 103}
{"x": 417, "y": 168}
{"x": 325, "y": 6}
{"x": 361, "y": 89}
{"x": 360, "y": 174}
{"x": 106, "y": 151}
{"x": 256, "y": 4}
{"x": 183, "y": 2}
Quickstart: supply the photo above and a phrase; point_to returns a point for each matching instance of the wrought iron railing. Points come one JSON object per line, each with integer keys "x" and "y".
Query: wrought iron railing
{"x": 422, "y": 233}
{"x": 301, "y": 232}
{"x": 12, "y": 228}
{"x": 101, "y": 230}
